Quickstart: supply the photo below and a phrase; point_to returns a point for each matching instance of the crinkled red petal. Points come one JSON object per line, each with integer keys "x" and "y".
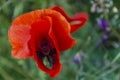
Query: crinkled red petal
{"x": 61, "y": 30}
{"x": 19, "y": 36}
{"x": 61, "y": 10}
{"x": 43, "y": 29}
{"x": 76, "y": 21}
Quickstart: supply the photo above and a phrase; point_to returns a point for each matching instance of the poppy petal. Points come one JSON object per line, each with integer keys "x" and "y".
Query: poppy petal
{"x": 61, "y": 10}
{"x": 19, "y": 35}
{"x": 61, "y": 30}
{"x": 56, "y": 68}
{"x": 20, "y": 44}
{"x": 42, "y": 29}
{"x": 57, "y": 65}
{"x": 77, "y": 21}
{"x": 39, "y": 29}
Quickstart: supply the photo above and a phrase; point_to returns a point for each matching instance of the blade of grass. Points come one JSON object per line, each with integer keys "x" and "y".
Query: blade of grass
{"x": 107, "y": 73}
{"x": 5, "y": 75}
{"x": 16, "y": 68}
{"x": 116, "y": 58}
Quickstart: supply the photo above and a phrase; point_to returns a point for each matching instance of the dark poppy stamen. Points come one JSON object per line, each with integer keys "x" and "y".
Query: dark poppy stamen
{"x": 46, "y": 53}
{"x": 52, "y": 51}
{"x": 48, "y": 60}
{"x": 45, "y": 47}
{"x": 40, "y": 55}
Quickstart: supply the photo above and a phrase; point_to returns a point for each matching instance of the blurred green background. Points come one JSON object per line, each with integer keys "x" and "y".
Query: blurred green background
{"x": 96, "y": 55}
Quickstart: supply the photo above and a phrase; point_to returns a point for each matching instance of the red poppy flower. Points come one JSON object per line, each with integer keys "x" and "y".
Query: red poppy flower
{"x": 42, "y": 34}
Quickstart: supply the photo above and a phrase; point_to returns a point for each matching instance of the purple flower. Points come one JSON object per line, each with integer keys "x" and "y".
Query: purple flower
{"x": 103, "y": 39}
{"x": 78, "y": 58}
{"x": 103, "y": 23}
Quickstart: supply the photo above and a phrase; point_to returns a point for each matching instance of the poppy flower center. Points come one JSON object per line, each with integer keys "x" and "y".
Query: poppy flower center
{"x": 46, "y": 54}
{"x": 45, "y": 47}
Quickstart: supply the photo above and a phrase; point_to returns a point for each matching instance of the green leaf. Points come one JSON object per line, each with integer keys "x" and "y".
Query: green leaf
{"x": 18, "y": 9}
